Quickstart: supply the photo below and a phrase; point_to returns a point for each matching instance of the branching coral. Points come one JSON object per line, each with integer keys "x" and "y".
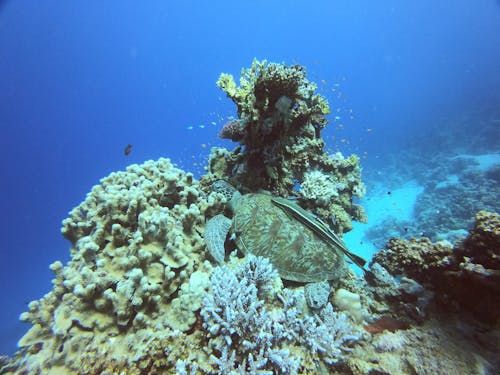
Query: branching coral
{"x": 244, "y": 328}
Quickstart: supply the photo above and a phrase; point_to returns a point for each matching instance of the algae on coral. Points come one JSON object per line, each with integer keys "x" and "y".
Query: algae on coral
{"x": 281, "y": 147}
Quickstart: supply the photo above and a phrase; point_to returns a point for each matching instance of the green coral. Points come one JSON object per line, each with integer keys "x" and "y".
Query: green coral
{"x": 226, "y": 83}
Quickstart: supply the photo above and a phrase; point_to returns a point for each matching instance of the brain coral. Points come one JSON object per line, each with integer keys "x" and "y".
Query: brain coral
{"x": 136, "y": 277}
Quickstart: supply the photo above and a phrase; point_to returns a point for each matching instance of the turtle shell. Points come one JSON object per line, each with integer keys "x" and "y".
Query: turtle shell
{"x": 263, "y": 229}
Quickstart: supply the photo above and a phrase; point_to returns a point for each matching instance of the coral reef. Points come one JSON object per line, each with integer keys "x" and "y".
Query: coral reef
{"x": 417, "y": 258}
{"x": 455, "y": 186}
{"x": 140, "y": 294}
{"x": 482, "y": 244}
{"x": 445, "y": 206}
{"x": 411, "y": 335}
{"x": 466, "y": 277}
{"x": 281, "y": 149}
{"x": 143, "y": 298}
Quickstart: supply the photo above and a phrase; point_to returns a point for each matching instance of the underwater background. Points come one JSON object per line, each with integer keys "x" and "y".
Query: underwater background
{"x": 413, "y": 87}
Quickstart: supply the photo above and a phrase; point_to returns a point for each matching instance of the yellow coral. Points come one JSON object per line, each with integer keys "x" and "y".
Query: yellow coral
{"x": 488, "y": 222}
{"x": 227, "y": 84}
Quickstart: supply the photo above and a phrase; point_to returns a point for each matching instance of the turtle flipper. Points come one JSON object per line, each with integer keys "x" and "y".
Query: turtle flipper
{"x": 216, "y": 231}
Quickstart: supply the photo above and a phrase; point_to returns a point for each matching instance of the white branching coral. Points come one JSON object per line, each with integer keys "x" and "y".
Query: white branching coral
{"x": 249, "y": 333}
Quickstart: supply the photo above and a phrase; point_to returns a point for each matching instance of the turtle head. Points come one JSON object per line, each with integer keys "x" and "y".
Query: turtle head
{"x": 228, "y": 191}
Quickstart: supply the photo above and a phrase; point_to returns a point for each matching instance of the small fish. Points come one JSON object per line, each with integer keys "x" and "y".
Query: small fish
{"x": 201, "y": 126}
{"x": 337, "y": 117}
{"x": 189, "y": 128}
{"x": 127, "y": 150}
{"x": 213, "y": 123}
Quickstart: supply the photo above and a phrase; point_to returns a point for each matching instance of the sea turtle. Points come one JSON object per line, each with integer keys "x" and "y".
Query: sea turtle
{"x": 299, "y": 245}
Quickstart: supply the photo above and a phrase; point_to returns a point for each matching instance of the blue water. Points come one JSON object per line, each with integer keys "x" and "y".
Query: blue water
{"x": 79, "y": 80}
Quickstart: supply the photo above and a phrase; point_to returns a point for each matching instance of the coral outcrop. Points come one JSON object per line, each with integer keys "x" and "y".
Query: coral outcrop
{"x": 280, "y": 118}
{"x": 135, "y": 279}
{"x": 417, "y": 258}
{"x": 482, "y": 246}
{"x": 139, "y": 294}
{"x": 465, "y": 276}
